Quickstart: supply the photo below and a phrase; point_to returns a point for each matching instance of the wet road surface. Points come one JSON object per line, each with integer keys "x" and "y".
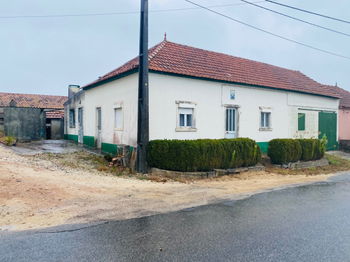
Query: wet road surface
{"x": 306, "y": 223}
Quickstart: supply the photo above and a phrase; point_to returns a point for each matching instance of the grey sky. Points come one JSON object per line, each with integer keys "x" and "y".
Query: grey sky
{"x": 45, "y": 55}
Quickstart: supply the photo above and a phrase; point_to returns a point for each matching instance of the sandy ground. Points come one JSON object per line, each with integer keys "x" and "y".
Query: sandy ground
{"x": 37, "y": 194}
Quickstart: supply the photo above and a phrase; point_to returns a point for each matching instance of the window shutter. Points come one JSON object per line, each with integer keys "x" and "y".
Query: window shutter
{"x": 301, "y": 121}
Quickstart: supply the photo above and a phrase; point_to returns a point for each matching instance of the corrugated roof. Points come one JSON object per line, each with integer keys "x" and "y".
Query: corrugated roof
{"x": 168, "y": 57}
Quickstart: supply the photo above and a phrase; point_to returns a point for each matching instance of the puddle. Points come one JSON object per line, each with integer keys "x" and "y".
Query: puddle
{"x": 46, "y": 146}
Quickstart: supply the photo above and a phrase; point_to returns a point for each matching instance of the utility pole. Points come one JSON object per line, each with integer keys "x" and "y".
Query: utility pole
{"x": 143, "y": 96}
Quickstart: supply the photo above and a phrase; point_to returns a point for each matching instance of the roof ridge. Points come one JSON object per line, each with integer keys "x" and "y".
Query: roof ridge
{"x": 26, "y": 94}
{"x": 156, "y": 50}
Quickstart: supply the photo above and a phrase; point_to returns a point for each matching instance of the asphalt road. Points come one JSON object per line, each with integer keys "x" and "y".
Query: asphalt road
{"x": 307, "y": 223}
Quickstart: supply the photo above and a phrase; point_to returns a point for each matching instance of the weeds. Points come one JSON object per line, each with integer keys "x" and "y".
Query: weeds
{"x": 336, "y": 164}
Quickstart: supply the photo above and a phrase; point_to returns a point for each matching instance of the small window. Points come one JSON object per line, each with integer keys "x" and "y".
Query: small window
{"x": 301, "y": 121}
{"x": 232, "y": 94}
{"x": 265, "y": 121}
{"x": 72, "y": 118}
{"x": 186, "y": 117}
{"x": 118, "y": 118}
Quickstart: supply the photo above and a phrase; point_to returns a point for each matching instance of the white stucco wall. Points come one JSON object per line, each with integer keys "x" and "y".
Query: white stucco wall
{"x": 119, "y": 93}
{"x": 211, "y": 98}
{"x": 310, "y": 105}
{"x": 74, "y": 103}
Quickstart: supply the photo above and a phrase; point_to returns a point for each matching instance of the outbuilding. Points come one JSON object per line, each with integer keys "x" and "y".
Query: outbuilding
{"x": 31, "y": 117}
{"x": 195, "y": 93}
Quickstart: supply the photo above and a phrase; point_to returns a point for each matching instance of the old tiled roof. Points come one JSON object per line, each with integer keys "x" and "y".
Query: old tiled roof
{"x": 30, "y": 100}
{"x": 345, "y": 97}
{"x": 168, "y": 57}
{"x": 55, "y": 114}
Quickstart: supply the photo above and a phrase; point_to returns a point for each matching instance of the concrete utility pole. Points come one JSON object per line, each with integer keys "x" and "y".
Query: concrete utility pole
{"x": 143, "y": 97}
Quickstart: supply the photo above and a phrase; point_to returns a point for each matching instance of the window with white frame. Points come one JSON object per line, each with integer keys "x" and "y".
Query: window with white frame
{"x": 265, "y": 120}
{"x": 186, "y": 117}
{"x": 118, "y": 118}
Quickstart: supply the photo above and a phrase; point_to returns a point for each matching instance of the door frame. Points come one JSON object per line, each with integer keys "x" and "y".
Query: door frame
{"x": 98, "y": 126}
{"x": 81, "y": 125}
{"x": 231, "y": 134}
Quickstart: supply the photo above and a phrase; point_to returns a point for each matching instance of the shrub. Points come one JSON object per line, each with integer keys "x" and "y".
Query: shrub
{"x": 284, "y": 151}
{"x": 8, "y": 140}
{"x": 202, "y": 154}
{"x": 312, "y": 149}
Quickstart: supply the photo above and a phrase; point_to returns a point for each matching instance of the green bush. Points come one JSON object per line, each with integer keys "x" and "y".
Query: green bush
{"x": 8, "y": 140}
{"x": 312, "y": 149}
{"x": 202, "y": 154}
{"x": 284, "y": 151}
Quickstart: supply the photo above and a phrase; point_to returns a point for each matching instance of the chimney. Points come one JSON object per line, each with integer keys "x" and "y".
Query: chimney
{"x": 72, "y": 90}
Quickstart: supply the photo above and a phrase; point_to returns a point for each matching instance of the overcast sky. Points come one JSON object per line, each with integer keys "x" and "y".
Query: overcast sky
{"x": 45, "y": 55}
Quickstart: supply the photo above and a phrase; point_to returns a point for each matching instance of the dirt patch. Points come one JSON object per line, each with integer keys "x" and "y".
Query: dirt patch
{"x": 49, "y": 190}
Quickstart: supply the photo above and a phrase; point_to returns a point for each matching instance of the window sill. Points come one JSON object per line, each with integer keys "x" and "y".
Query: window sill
{"x": 265, "y": 129}
{"x": 118, "y": 129}
{"x": 185, "y": 129}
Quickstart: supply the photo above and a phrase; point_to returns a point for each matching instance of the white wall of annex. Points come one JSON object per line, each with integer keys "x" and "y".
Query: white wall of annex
{"x": 309, "y": 105}
{"x": 119, "y": 93}
{"x": 75, "y": 103}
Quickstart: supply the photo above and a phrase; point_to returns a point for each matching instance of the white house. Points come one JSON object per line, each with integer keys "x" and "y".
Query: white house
{"x": 195, "y": 94}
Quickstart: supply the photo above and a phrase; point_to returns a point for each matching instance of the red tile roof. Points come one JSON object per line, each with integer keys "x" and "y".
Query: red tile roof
{"x": 55, "y": 114}
{"x": 345, "y": 97}
{"x": 168, "y": 57}
{"x": 31, "y": 100}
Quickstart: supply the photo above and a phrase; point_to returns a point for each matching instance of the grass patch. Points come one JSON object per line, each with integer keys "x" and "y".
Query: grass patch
{"x": 336, "y": 164}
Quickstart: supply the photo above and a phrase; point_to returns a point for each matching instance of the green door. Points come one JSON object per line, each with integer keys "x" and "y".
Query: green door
{"x": 327, "y": 125}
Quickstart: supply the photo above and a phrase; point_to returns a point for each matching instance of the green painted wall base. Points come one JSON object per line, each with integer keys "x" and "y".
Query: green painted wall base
{"x": 71, "y": 137}
{"x": 89, "y": 141}
{"x": 263, "y": 146}
{"x": 109, "y": 148}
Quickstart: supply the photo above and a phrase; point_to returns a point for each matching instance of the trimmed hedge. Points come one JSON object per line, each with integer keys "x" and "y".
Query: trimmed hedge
{"x": 284, "y": 151}
{"x": 202, "y": 154}
{"x": 312, "y": 149}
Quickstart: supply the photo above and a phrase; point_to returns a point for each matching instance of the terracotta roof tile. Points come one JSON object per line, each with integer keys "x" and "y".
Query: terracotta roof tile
{"x": 345, "y": 97}
{"x": 184, "y": 60}
{"x": 31, "y": 100}
{"x": 55, "y": 114}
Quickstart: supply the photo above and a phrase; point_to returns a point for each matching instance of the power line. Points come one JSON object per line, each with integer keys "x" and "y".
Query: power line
{"x": 268, "y": 32}
{"x": 309, "y": 12}
{"x": 119, "y": 13}
{"x": 297, "y": 19}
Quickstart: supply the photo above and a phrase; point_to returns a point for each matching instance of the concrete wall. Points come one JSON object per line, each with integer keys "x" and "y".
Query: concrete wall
{"x": 25, "y": 123}
{"x": 344, "y": 124}
{"x": 2, "y": 127}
